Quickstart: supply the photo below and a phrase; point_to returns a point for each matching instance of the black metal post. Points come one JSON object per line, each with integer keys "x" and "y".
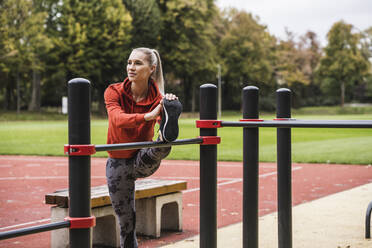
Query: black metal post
{"x": 284, "y": 161}
{"x": 368, "y": 221}
{"x": 144, "y": 144}
{"x": 250, "y": 169}
{"x": 208, "y": 170}
{"x": 79, "y": 166}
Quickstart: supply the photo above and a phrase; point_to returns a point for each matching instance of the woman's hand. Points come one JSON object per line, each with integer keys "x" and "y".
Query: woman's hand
{"x": 170, "y": 97}
{"x": 157, "y": 111}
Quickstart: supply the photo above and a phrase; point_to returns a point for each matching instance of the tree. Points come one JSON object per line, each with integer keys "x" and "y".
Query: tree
{"x": 13, "y": 16}
{"x": 39, "y": 47}
{"x": 93, "y": 41}
{"x": 366, "y": 45}
{"x": 343, "y": 63}
{"x": 247, "y": 51}
{"x": 24, "y": 43}
{"x": 295, "y": 66}
{"x": 185, "y": 45}
{"x": 146, "y": 22}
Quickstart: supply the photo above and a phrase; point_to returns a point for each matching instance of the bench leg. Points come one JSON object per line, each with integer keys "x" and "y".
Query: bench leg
{"x": 161, "y": 212}
{"x": 169, "y": 209}
{"x": 59, "y": 238}
{"x": 106, "y": 232}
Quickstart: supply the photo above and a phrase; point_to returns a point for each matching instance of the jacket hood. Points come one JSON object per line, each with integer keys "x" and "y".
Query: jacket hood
{"x": 153, "y": 96}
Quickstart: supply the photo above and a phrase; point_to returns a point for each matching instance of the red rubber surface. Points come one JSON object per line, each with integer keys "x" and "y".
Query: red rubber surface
{"x": 24, "y": 181}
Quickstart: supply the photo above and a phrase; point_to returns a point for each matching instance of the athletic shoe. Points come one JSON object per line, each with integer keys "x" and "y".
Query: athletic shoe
{"x": 169, "y": 120}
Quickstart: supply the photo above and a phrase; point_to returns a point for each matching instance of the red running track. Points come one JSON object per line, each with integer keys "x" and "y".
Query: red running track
{"x": 24, "y": 181}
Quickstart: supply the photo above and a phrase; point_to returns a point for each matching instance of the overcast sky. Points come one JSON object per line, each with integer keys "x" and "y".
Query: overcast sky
{"x": 299, "y": 16}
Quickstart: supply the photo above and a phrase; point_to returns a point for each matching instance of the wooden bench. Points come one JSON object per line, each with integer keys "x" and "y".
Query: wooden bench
{"x": 158, "y": 206}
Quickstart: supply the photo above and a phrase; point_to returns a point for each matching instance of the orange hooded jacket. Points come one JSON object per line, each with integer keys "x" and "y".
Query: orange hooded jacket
{"x": 126, "y": 117}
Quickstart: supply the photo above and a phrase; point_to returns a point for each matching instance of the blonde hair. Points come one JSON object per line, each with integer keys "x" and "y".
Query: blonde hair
{"x": 153, "y": 58}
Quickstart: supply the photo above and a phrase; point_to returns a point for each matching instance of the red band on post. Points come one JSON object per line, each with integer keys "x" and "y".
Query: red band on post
{"x": 82, "y": 222}
{"x": 80, "y": 150}
{"x": 210, "y": 140}
{"x": 208, "y": 124}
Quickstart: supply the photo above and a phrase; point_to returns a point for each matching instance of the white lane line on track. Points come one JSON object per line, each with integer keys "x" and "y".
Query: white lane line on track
{"x": 61, "y": 164}
{"x": 33, "y": 165}
{"x": 44, "y": 159}
{"x": 43, "y": 178}
{"x": 24, "y": 224}
{"x": 192, "y": 178}
{"x": 6, "y": 165}
{"x": 234, "y": 164}
{"x": 237, "y": 180}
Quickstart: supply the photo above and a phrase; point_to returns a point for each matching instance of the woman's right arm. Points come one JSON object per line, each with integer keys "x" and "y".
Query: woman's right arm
{"x": 117, "y": 115}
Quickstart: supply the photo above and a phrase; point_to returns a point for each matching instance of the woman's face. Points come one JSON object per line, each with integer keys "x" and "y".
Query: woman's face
{"x": 138, "y": 67}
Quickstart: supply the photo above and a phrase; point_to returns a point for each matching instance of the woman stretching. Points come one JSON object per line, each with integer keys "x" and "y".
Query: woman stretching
{"x": 133, "y": 107}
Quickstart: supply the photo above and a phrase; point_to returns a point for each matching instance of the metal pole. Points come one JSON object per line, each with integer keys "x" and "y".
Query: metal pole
{"x": 79, "y": 166}
{"x": 219, "y": 91}
{"x": 283, "y": 123}
{"x": 250, "y": 169}
{"x": 208, "y": 170}
{"x": 34, "y": 229}
{"x": 368, "y": 221}
{"x": 144, "y": 144}
{"x": 284, "y": 171}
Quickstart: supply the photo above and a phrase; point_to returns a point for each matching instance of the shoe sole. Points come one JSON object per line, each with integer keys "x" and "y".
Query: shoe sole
{"x": 172, "y": 110}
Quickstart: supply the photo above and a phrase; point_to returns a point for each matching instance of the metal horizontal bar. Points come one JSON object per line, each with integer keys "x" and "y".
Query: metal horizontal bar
{"x": 301, "y": 123}
{"x": 146, "y": 144}
{"x": 34, "y": 229}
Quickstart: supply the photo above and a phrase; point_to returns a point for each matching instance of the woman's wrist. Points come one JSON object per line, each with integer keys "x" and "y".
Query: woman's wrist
{"x": 148, "y": 117}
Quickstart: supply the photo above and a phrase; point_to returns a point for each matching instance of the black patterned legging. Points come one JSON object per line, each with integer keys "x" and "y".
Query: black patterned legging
{"x": 121, "y": 175}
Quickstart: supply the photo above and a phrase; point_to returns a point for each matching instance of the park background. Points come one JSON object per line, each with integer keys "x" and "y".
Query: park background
{"x": 45, "y": 43}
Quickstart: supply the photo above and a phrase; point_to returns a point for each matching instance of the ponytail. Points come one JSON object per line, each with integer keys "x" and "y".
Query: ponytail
{"x": 157, "y": 75}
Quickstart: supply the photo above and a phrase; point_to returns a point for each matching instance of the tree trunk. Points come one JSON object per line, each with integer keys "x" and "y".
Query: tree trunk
{"x": 8, "y": 97}
{"x": 35, "y": 97}
{"x": 18, "y": 94}
{"x": 186, "y": 94}
{"x": 193, "y": 99}
{"x": 342, "y": 94}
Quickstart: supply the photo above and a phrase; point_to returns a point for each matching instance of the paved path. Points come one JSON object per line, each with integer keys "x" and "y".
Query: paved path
{"x": 24, "y": 180}
{"x": 334, "y": 221}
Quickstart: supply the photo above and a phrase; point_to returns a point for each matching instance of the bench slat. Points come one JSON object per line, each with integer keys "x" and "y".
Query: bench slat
{"x": 100, "y": 197}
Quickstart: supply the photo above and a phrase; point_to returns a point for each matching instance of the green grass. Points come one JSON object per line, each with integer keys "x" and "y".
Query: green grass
{"x": 323, "y": 145}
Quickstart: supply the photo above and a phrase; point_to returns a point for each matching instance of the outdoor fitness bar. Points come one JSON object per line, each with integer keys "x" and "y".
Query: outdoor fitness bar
{"x": 79, "y": 166}
{"x": 283, "y": 122}
{"x": 137, "y": 145}
{"x": 250, "y": 169}
{"x": 208, "y": 170}
{"x": 79, "y": 150}
{"x": 34, "y": 229}
{"x": 289, "y": 123}
{"x": 284, "y": 163}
